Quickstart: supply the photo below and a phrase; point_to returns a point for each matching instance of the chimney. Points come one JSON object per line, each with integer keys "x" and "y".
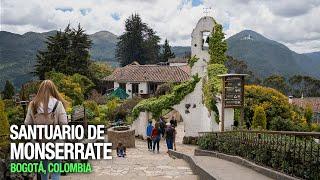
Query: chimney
{"x": 290, "y": 99}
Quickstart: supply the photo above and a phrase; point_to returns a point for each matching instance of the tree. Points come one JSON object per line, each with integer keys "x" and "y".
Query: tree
{"x": 217, "y": 45}
{"x": 74, "y": 87}
{"x": 308, "y": 114}
{"x": 273, "y": 102}
{"x": 67, "y": 52}
{"x": 259, "y": 118}
{"x": 240, "y": 67}
{"x": 166, "y": 53}
{"x": 304, "y": 85}
{"x": 8, "y": 90}
{"x": 138, "y": 43}
{"x": 277, "y": 82}
{"x": 4, "y": 123}
{"x": 99, "y": 70}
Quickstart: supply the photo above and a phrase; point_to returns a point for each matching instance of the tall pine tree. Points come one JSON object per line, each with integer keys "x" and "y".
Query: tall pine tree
{"x": 8, "y": 91}
{"x": 166, "y": 52}
{"x": 67, "y": 52}
{"x": 138, "y": 43}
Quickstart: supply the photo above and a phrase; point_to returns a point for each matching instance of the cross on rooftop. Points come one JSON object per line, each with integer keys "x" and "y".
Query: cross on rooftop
{"x": 206, "y": 10}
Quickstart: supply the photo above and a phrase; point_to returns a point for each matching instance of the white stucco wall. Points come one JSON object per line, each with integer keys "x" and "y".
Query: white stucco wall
{"x": 140, "y": 124}
{"x": 129, "y": 89}
{"x": 178, "y": 64}
{"x": 144, "y": 87}
{"x": 115, "y": 85}
{"x": 198, "y": 119}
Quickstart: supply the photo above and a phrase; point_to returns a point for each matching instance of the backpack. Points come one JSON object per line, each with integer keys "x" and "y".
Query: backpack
{"x": 169, "y": 133}
{"x": 41, "y": 119}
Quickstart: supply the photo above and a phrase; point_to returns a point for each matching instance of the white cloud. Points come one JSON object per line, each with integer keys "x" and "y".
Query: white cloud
{"x": 294, "y": 23}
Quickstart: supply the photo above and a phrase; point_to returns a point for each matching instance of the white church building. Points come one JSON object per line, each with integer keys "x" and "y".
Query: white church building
{"x": 199, "y": 118}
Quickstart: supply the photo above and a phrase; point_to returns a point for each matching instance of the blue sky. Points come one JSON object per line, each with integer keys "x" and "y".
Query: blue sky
{"x": 294, "y": 23}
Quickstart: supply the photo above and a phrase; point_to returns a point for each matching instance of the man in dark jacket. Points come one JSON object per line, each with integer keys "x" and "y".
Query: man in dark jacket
{"x": 169, "y": 135}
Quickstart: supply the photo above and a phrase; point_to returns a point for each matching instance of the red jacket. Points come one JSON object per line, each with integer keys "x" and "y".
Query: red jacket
{"x": 155, "y": 133}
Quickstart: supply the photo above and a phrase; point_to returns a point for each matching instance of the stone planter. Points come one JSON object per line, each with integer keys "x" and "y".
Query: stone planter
{"x": 123, "y": 134}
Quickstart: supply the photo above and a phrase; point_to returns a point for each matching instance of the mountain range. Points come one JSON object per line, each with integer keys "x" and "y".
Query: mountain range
{"x": 262, "y": 55}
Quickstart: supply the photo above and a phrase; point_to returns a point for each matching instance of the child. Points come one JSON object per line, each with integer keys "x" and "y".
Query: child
{"x": 149, "y": 131}
{"x": 121, "y": 150}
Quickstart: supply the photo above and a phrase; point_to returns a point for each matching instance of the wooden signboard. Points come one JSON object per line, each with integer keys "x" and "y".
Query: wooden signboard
{"x": 232, "y": 94}
{"x": 233, "y": 91}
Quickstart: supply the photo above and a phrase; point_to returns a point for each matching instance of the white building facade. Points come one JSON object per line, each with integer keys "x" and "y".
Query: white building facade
{"x": 197, "y": 118}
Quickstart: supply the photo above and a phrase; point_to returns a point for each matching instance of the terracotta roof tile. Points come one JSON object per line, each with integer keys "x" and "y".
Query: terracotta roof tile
{"x": 303, "y": 102}
{"x": 148, "y": 73}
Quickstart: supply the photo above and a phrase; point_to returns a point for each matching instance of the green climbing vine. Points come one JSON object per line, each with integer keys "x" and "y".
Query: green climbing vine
{"x": 164, "y": 102}
{"x": 192, "y": 60}
{"x": 212, "y": 86}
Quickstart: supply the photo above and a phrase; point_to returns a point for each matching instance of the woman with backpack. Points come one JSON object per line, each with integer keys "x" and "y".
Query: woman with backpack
{"x": 47, "y": 108}
{"x": 156, "y": 136}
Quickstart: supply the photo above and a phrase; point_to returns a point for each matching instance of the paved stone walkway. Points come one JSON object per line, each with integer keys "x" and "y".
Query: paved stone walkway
{"x": 219, "y": 168}
{"x": 141, "y": 164}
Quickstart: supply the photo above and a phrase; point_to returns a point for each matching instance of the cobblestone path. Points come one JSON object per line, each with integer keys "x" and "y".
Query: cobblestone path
{"x": 142, "y": 164}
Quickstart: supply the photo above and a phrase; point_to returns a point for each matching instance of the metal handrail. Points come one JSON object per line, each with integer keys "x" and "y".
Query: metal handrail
{"x": 292, "y": 133}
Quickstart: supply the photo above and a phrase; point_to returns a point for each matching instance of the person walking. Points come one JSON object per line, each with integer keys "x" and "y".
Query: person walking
{"x": 47, "y": 108}
{"x": 162, "y": 125}
{"x": 149, "y": 133}
{"x": 173, "y": 122}
{"x": 156, "y": 136}
{"x": 169, "y": 135}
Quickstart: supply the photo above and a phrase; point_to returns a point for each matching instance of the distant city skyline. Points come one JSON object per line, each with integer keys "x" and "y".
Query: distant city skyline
{"x": 294, "y": 23}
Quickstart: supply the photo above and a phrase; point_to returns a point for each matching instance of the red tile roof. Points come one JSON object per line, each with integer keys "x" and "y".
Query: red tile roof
{"x": 148, "y": 73}
{"x": 314, "y": 102}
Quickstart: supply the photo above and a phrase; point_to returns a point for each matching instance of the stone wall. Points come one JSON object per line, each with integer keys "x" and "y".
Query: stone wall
{"x": 126, "y": 137}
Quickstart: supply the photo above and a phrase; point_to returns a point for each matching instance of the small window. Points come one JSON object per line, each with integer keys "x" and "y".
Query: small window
{"x": 152, "y": 88}
{"x": 135, "y": 88}
{"x": 205, "y": 40}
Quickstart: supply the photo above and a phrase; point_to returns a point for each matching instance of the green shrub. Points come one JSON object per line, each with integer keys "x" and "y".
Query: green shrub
{"x": 207, "y": 142}
{"x": 93, "y": 106}
{"x": 280, "y": 124}
{"x": 75, "y": 86}
{"x": 317, "y": 128}
{"x": 4, "y": 123}
{"x": 90, "y": 114}
{"x": 297, "y": 156}
{"x": 274, "y": 104}
{"x": 308, "y": 114}
{"x": 259, "y": 118}
{"x": 108, "y": 111}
